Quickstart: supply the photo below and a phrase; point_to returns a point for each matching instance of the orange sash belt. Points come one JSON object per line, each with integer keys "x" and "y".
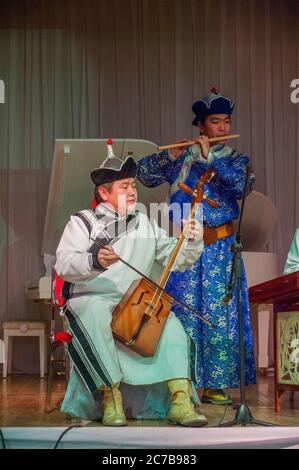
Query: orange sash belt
{"x": 212, "y": 234}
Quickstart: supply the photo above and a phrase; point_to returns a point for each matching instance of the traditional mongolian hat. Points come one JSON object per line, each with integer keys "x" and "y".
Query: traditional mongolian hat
{"x": 214, "y": 103}
{"x": 113, "y": 168}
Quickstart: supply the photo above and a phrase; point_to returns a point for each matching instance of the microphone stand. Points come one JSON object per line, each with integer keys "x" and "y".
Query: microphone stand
{"x": 243, "y": 414}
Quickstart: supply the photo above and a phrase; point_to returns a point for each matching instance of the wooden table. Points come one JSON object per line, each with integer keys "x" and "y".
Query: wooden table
{"x": 283, "y": 293}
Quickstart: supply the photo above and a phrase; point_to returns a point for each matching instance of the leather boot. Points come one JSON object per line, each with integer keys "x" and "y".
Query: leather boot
{"x": 182, "y": 409}
{"x": 113, "y": 413}
{"x": 216, "y": 397}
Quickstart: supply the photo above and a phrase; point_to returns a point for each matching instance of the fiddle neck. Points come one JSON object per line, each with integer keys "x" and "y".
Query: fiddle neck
{"x": 198, "y": 196}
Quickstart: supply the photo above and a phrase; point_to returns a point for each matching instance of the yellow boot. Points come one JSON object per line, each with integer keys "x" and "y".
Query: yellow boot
{"x": 216, "y": 397}
{"x": 112, "y": 406}
{"x": 182, "y": 409}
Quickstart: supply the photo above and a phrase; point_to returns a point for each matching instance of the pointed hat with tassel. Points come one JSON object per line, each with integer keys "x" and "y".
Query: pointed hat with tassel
{"x": 113, "y": 168}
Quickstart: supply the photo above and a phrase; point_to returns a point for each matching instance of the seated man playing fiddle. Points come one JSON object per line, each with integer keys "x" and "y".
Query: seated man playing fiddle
{"x": 88, "y": 258}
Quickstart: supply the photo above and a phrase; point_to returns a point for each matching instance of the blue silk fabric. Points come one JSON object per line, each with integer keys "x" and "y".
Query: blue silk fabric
{"x": 203, "y": 286}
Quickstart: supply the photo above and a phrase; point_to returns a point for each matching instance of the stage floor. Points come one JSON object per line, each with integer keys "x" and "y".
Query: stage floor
{"x": 152, "y": 438}
{"x": 26, "y": 425}
{"x": 22, "y": 399}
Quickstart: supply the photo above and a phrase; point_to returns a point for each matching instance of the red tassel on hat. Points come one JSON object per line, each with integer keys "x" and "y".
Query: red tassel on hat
{"x": 214, "y": 90}
{"x": 110, "y": 149}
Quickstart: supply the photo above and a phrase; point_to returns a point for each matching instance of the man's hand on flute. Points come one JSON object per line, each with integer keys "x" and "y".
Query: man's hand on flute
{"x": 178, "y": 151}
{"x": 204, "y": 143}
{"x": 202, "y": 140}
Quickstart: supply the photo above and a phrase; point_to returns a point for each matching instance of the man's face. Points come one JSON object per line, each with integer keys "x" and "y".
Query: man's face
{"x": 122, "y": 196}
{"x": 215, "y": 125}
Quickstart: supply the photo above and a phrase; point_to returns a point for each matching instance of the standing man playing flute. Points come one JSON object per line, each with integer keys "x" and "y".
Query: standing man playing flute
{"x": 203, "y": 286}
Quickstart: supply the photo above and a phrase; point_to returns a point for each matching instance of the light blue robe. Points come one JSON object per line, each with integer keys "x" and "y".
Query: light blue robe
{"x": 98, "y": 359}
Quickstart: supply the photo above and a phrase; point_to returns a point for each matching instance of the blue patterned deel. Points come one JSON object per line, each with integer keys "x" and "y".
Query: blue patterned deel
{"x": 203, "y": 286}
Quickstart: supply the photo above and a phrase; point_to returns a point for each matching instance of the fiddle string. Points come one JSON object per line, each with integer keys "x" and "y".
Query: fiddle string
{"x": 185, "y": 233}
{"x": 205, "y": 180}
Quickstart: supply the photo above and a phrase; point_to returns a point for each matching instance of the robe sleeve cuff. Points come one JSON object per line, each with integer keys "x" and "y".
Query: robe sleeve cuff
{"x": 94, "y": 263}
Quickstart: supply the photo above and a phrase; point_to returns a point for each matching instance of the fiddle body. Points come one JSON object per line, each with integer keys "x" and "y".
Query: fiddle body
{"x": 139, "y": 319}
